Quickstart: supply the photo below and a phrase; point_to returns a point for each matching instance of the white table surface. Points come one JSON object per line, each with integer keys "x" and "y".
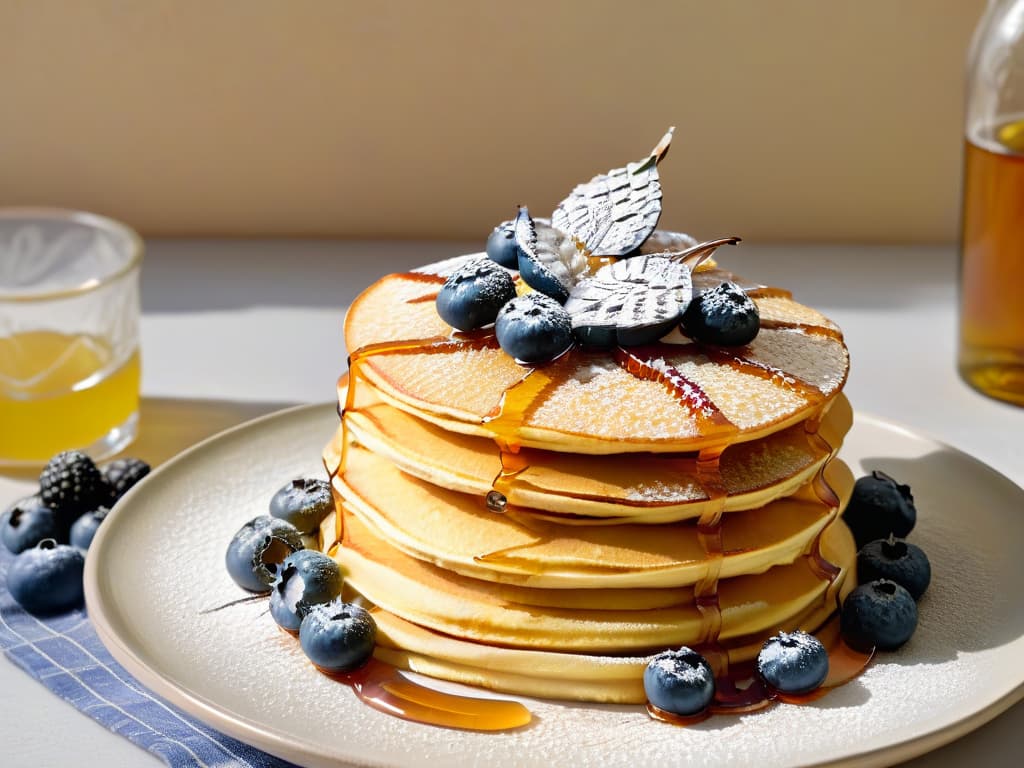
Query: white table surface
{"x": 258, "y": 323}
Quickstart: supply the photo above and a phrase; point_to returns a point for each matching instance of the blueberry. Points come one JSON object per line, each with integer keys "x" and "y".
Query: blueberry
{"x": 680, "y": 682}
{"x": 880, "y": 614}
{"x": 83, "y": 530}
{"x": 304, "y": 502}
{"x": 879, "y": 507}
{"x": 305, "y": 579}
{"x": 122, "y": 474}
{"x": 793, "y": 662}
{"x": 71, "y": 485}
{"x": 256, "y": 551}
{"x": 550, "y": 261}
{"x": 534, "y": 329}
{"x": 501, "y": 245}
{"x": 895, "y": 560}
{"x": 338, "y": 636}
{"x": 29, "y": 521}
{"x": 723, "y": 315}
{"x": 472, "y": 295}
{"x": 48, "y": 578}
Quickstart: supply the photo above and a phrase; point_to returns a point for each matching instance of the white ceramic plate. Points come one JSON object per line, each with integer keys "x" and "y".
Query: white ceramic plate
{"x": 158, "y": 562}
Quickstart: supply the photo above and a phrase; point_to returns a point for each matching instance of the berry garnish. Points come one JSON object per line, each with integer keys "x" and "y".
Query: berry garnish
{"x": 70, "y": 484}
{"x": 304, "y": 579}
{"x": 338, "y": 636}
{"x": 27, "y": 522}
{"x": 879, "y": 507}
{"x": 549, "y": 260}
{"x": 680, "y": 682}
{"x": 793, "y": 662}
{"x": 47, "y": 579}
{"x": 83, "y": 530}
{"x": 880, "y": 614}
{"x": 615, "y": 212}
{"x": 896, "y": 560}
{"x": 631, "y": 302}
{"x": 472, "y": 295}
{"x": 304, "y": 502}
{"x": 501, "y": 245}
{"x": 258, "y": 549}
{"x": 533, "y": 329}
{"x": 723, "y": 316}
{"x": 122, "y": 474}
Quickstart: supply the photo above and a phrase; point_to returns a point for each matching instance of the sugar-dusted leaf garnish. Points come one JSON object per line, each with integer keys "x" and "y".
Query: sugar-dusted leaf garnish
{"x": 631, "y": 302}
{"x": 615, "y": 212}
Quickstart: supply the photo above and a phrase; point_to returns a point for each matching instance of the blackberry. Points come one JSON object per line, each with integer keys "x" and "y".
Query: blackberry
{"x": 71, "y": 485}
{"x": 122, "y": 474}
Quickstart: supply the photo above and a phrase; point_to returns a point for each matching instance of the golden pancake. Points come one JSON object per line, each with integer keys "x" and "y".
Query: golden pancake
{"x": 636, "y": 621}
{"x": 667, "y": 397}
{"x": 458, "y": 532}
{"x": 649, "y": 488}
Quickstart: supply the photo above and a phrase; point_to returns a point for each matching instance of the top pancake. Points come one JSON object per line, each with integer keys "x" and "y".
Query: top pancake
{"x": 590, "y": 401}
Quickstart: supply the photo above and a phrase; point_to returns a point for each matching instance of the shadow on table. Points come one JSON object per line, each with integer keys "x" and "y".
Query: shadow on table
{"x": 167, "y": 426}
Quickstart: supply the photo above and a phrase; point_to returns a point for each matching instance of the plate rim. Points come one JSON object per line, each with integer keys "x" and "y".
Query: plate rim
{"x": 222, "y": 718}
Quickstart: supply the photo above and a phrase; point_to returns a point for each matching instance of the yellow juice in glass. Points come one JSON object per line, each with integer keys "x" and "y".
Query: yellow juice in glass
{"x": 59, "y": 390}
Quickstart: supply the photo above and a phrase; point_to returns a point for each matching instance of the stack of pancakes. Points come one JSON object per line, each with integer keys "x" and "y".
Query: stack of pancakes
{"x": 546, "y": 530}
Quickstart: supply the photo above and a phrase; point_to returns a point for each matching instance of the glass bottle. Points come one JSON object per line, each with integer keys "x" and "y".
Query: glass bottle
{"x": 991, "y": 353}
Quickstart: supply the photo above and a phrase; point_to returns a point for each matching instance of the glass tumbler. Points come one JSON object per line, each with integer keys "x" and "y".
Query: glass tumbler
{"x": 69, "y": 334}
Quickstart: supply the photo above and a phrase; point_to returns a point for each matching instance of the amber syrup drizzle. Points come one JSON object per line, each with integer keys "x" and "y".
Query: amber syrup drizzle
{"x": 384, "y": 688}
{"x": 648, "y": 364}
{"x": 379, "y": 685}
{"x": 517, "y": 402}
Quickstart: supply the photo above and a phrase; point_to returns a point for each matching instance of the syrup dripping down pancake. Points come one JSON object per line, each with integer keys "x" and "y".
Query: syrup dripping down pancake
{"x": 649, "y": 488}
{"x": 630, "y": 621}
{"x": 456, "y": 531}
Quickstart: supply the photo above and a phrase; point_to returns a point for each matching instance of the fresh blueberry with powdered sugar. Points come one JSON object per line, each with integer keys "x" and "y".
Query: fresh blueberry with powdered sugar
{"x": 793, "y": 662}
{"x": 724, "y": 316}
{"x": 680, "y": 682}
{"x": 550, "y": 261}
{"x": 304, "y": 502}
{"x": 501, "y": 245}
{"x": 305, "y": 578}
{"x": 533, "y": 329}
{"x": 474, "y": 293}
{"x": 258, "y": 549}
{"x": 338, "y": 636}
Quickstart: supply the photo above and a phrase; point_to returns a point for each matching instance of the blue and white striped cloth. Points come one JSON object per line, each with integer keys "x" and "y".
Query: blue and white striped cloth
{"x": 65, "y": 655}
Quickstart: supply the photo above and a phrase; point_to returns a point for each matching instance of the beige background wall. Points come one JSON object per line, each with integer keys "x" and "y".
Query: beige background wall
{"x": 796, "y": 119}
